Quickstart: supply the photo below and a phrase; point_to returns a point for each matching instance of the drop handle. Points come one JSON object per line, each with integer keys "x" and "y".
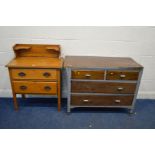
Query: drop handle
{"x": 111, "y": 73}
{"x": 87, "y": 75}
{"x": 120, "y": 88}
{"x": 47, "y": 88}
{"x": 23, "y": 87}
{"x": 122, "y": 76}
{"x": 17, "y": 48}
{"x": 21, "y": 74}
{"x": 46, "y": 74}
{"x": 117, "y": 101}
{"x": 85, "y": 100}
{"x": 52, "y": 48}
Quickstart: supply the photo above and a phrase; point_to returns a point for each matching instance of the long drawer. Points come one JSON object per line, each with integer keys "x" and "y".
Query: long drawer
{"x": 88, "y": 74}
{"x": 102, "y": 87}
{"x": 122, "y": 75}
{"x": 95, "y": 100}
{"x": 31, "y": 87}
{"x": 22, "y": 74}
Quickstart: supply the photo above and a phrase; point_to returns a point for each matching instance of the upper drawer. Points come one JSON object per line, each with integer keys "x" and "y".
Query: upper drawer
{"x": 87, "y": 74}
{"x": 34, "y": 74}
{"x": 122, "y": 75}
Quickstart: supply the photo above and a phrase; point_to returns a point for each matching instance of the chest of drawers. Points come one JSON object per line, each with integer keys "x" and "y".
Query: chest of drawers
{"x": 36, "y": 69}
{"x": 102, "y": 82}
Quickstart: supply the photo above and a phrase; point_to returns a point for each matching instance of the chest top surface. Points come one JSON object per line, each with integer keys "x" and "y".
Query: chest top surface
{"x": 100, "y": 62}
{"x": 36, "y": 56}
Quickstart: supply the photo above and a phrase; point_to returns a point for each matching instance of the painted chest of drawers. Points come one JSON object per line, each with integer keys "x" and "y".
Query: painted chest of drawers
{"x": 102, "y": 82}
{"x": 36, "y": 69}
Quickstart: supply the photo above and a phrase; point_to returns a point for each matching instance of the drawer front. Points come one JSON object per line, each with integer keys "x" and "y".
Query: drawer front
{"x": 86, "y": 74}
{"x": 34, "y": 74}
{"x": 102, "y": 87}
{"x": 122, "y": 75}
{"x": 35, "y": 87}
{"x": 88, "y": 100}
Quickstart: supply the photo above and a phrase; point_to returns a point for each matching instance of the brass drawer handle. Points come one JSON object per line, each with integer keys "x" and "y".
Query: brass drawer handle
{"x": 17, "y": 48}
{"x": 47, "y": 88}
{"x": 87, "y": 75}
{"x": 111, "y": 73}
{"x": 52, "y": 48}
{"x": 46, "y": 74}
{"x": 120, "y": 88}
{"x": 122, "y": 76}
{"x": 23, "y": 87}
{"x": 21, "y": 74}
{"x": 86, "y": 101}
{"x": 117, "y": 101}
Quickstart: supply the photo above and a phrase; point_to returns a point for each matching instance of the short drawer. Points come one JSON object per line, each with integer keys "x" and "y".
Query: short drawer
{"x": 87, "y": 74}
{"x": 50, "y": 74}
{"x": 122, "y": 75}
{"x": 102, "y": 87}
{"x": 31, "y": 87}
{"x": 95, "y": 100}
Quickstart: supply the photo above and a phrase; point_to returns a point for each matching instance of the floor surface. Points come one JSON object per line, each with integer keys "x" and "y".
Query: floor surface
{"x": 41, "y": 113}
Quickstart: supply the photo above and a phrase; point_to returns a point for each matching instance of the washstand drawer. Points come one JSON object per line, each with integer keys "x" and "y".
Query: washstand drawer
{"x": 96, "y": 100}
{"x": 87, "y": 74}
{"x": 122, "y": 75}
{"x": 102, "y": 87}
{"x": 46, "y": 74}
{"x": 31, "y": 87}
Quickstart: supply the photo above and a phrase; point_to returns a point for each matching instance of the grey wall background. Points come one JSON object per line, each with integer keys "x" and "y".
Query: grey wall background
{"x": 135, "y": 42}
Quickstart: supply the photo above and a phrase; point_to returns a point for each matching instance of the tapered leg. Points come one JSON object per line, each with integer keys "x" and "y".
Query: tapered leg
{"x": 15, "y": 102}
{"x": 59, "y": 103}
{"x": 59, "y": 90}
{"x": 68, "y": 110}
{"x": 13, "y": 93}
{"x": 23, "y": 96}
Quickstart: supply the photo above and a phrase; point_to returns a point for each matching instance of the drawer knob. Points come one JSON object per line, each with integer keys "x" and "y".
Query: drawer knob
{"x": 85, "y": 100}
{"x": 21, "y": 74}
{"x": 46, "y": 74}
{"x": 117, "y": 101}
{"x": 47, "y": 88}
{"x": 87, "y": 75}
{"x": 122, "y": 76}
{"x": 23, "y": 87}
{"x": 120, "y": 88}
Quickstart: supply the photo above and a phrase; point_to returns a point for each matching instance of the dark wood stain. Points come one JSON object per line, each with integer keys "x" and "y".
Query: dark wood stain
{"x": 102, "y": 87}
{"x": 100, "y": 62}
{"x": 116, "y": 75}
{"x": 94, "y": 100}
{"x": 87, "y": 74}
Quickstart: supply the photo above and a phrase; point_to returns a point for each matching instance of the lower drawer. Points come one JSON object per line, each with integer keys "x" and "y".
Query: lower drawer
{"x": 96, "y": 100}
{"x": 30, "y": 87}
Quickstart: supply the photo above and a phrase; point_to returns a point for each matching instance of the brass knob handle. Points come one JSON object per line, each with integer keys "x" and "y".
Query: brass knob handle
{"x": 120, "y": 88}
{"x": 87, "y": 75}
{"x": 117, "y": 101}
{"x": 122, "y": 76}
{"x": 86, "y": 100}
{"x": 23, "y": 87}
{"x": 46, "y": 74}
{"x": 21, "y": 74}
{"x": 47, "y": 88}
